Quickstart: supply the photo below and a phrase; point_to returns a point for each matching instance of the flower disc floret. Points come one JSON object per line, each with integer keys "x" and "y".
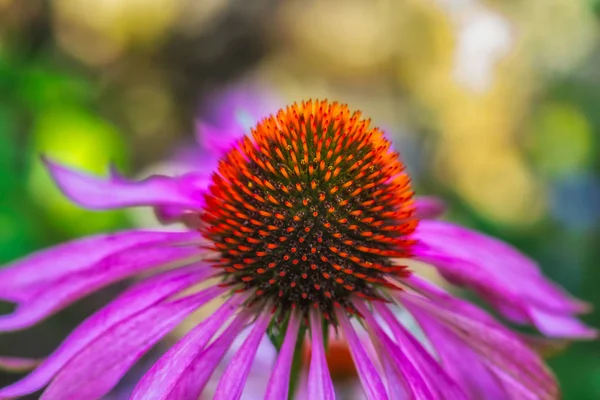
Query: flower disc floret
{"x": 311, "y": 209}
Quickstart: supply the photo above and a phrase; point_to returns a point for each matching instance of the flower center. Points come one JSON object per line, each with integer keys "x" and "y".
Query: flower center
{"x": 310, "y": 210}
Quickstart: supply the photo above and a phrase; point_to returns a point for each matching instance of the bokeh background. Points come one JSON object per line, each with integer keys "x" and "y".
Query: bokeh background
{"x": 494, "y": 105}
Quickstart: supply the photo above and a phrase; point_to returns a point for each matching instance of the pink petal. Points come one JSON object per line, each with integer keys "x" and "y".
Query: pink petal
{"x": 461, "y": 362}
{"x": 60, "y": 292}
{"x": 23, "y": 278}
{"x": 232, "y": 382}
{"x": 96, "y": 369}
{"x": 191, "y": 383}
{"x": 320, "y": 385}
{"x": 402, "y": 379}
{"x": 98, "y": 193}
{"x": 429, "y": 207}
{"x": 218, "y": 141}
{"x": 18, "y": 364}
{"x": 135, "y": 300}
{"x": 164, "y": 376}
{"x": 439, "y": 383}
{"x": 233, "y": 112}
{"x": 498, "y": 347}
{"x": 560, "y": 326}
{"x": 507, "y": 279}
{"x": 368, "y": 374}
{"x": 279, "y": 382}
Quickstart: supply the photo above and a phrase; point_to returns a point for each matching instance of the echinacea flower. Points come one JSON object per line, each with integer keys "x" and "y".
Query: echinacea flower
{"x": 307, "y": 223}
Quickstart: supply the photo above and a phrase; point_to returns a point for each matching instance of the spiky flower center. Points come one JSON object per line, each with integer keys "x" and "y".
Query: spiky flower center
{"x": 311, "y": 209}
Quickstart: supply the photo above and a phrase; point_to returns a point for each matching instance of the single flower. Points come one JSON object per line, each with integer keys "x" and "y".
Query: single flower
{"x": 305, "y": 224}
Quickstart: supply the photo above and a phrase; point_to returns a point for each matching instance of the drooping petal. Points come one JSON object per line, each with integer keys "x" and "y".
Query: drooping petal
{"x": 134, "y": 301}
{"x": 164, "y": 376}
{"x": 64, "y": 290}
{"x": 402, "y": 379}
{"x": 99, "y": 193}
{"x": 279, "y": 382}
{"x": 461, "y": 362}
{"x": 234, "y": 378}
{"x": 436, "y": 378}
{"x": 429, "y": 207}
{"x": 96, "y": 369}
{"x": 476, "y": 377}
{"x": 511, "y": 282}
{"x": 18, "y": 364}
{"x": 368, "y": 374}
{"x": 560, "y": 326}
{"x": 499, "y": 348}
{"x": 194, "y": 378}
{"x": 320, "y": 385}
{"x": 23, "y": 278}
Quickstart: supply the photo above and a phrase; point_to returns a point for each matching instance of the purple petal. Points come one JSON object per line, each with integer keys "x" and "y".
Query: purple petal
{"x": 97, "y": 193}
{"x": 368, "y": 374}
{"x": 429, "y": 207}
{"x": 320, "y": 385}
{"x": 232, "y": 112}
{"x": 561, "y": 326}
{"x": 61, "y": 291}
{"x": 499, "y": 348}
{"x": 21, "y": 279}
{"x": 402, "y": 379}
{"x": 436, "y": 378}
{"x": 135, "y": 300}
{"x": 500, "y": 274}
{"x": 218, "y": 140}
{"x": 190, "y": 384}
{"x": 164, "y": 376}
{"x": 437, "y": 294}
{"x": 96, "y": 369}
{"x": 280, "y": 377}
{"x": 18, "y": 364}
{"x": 234, "y": 378}
{"x": 461, "y": 362}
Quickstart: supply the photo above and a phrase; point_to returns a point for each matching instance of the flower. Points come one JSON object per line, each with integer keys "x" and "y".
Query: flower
{"x": 306, "y": 224}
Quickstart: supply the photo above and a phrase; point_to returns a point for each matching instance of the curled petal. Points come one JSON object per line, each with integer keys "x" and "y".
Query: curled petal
{"x": 320, "y": 385}
{"x": 135, "y": 300}
{"x": 369, "y": 376}
{"x": 232, "y": 382}
{"x": 96, "y": 193}
{"x": 50, "y": 292}
{"x": 97, "y": 368}
{"x": 511, "y": 282}
{"x": 280, "y": 377}
{"x": 160, "y": 381}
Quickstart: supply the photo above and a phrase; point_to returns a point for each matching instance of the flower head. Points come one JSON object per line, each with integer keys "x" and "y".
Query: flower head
{"x": 307, "y": 222}
{"x": 311, "y": 210}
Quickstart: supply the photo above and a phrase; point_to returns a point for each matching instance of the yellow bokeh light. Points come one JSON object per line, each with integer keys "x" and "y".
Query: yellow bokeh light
{"x": 97, "y": 32}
